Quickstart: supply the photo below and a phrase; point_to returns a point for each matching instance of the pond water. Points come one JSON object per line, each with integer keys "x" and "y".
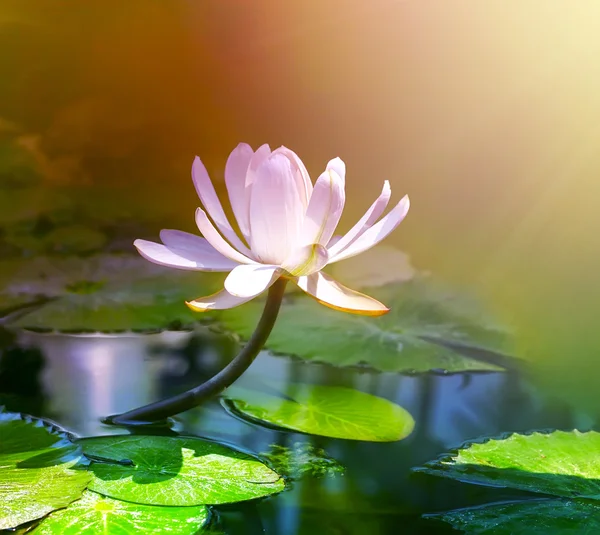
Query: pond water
{"x": 334, "y": 486}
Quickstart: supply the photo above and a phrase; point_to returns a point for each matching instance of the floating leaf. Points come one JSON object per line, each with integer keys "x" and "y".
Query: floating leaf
{"x": 560, "y": 463}
{"x": 104, "y": 293}
{"x": 410, "y": 338}
{"x": 324, "y": 410}
{"x": 94, "y": 514}
{"x": 40, "y": 469}
{"x": 530, "y": 517}
{"x": 176, "y": 471}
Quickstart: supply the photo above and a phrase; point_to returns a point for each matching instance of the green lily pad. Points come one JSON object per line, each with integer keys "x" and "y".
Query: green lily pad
{"x": 104, "y": 293}
{"x": 94, "y": 514}
{"x": 178, "y": 471}
{"x": 330, "y": 411}
{"x": 40, "y": 469}
{"x": 413, "y": 337}
{"x": 559, "y": 463}
{"x": 531, "y": 517}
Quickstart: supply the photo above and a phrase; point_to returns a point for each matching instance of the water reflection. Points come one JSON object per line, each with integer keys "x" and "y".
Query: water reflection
{"x": 86, "y": 378}
{"x": 90, "y": 377}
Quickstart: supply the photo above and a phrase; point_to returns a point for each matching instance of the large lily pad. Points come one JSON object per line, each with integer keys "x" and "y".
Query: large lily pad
{"x": 560, "y": 463}
{"x": 531, "y": 517}
{"x": 40, "y": 469}
{"x": 104, "y": 293}
{"x": 94, "y": 514}
{"x": 415, "y": 336}
{"x": 323, "y": 410}
{"x": 178, "y": 471}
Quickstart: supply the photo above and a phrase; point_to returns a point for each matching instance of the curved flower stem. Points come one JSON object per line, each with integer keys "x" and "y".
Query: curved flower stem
{"x": 160, "y": 410}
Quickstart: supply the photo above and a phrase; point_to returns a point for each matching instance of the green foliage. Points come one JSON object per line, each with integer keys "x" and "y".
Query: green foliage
{"x": 413, "y": 337}
{"x": 176, "y": 471}
{"x": 323, "y": 410}
{"x": 40, "y": 469}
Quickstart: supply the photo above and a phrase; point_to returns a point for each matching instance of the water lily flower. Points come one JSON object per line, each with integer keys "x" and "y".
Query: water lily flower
{"x": 287, "y": 230}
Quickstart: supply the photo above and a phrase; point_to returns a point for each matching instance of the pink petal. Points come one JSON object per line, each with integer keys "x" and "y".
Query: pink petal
{"x": 338, "y": 165}
{"x": 191, "y": 246}
{"x": 182, "y": 259}
{"x": 217, "y": 301}
{"x": 376, "y": 233}
{"x": 334, "y": 295}
{"x": 299, "y": 173}
{"x": 324, "y": 209}
{"x": 217, "y": 241}
{"x": 364, "y": 223}
{"x": 240, "y": 172}
{"x": 306, "y": 260}
{"x": 334, "y": 240}
{"x": 210, "y": 201}
{"x": 276, "y": 211}
{"x": 236, "y": 170}
{"x": 251, "y": 280}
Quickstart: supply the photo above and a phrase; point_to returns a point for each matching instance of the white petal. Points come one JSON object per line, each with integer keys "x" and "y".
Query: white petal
{"x": 211, "y": 203}
{"x": 299, "y": 172}
{"x": 334, "y": 240}
{"x": 376, "y": 233}
{"x": 306, "y": 260}
{"x": 240, "y": 172}
{"x": 217, "y": 241}
{"x": 364, "y": 223}
{"x": 191, "y": 246}
{"x": 324, "y": 209}
{"x": 217, "y": 301}
{"x": 338, "y": 165}
{"x": 176, "y": 258}
{"x": 251, "y": 280}
{"x": 236, "y": 170}
{"x": 334, "y": 295}
{"x": 276, "y": 211}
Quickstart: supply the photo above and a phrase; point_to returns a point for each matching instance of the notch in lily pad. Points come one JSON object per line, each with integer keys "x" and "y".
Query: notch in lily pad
{"x": 330, "y": 411}
{"x": 176, "y": 471}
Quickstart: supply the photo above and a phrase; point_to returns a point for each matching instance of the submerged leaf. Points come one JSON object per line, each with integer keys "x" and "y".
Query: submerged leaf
{"x": 178, "y": 471}
{"x": 559, "y": 463}
{"x": 302, "y": 459}
{"x": 324, "y": 410}
{"x": 94, "y": 514}
{"x": 40, "y": 469}
{"x": 413, "y": 337}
